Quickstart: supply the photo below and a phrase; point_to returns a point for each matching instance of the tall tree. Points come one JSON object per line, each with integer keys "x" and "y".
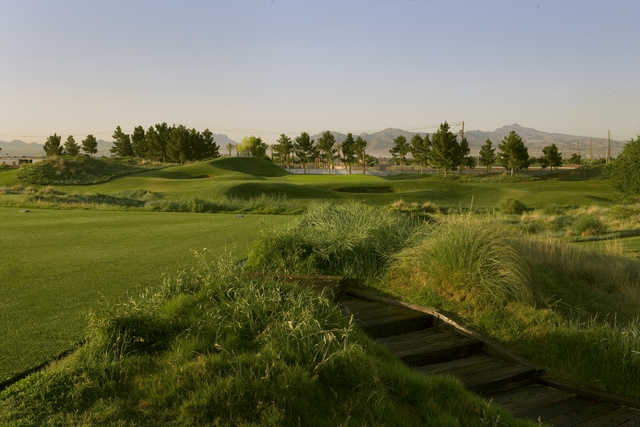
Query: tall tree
{"x": 326, "y": 145}
{"x": 178, "y": 144}
{"x": 230, "y": 148}
{"x": 284, "y": 146}
{"x": 420, "y": 149}
{"x": 121, "y": 143}
{"x": 445, "y": 150}
{"x": 464, "y": 159}
{"x": 52, "y": 146}
{"x": 90, "y": 145}
{"x": 157, "y": 139}
{"x": 487, "y": 155}
{"x": 348, "y": 151}
{"x": 399, "y": 150}
{"x": 360, "y": 151}
{"x": 253, "y": 146}
{"x": 513, "y": 155}
{"x": 138, "y": 142}
{"x": 71, "y": 147}
{"x": 551, "y": 157}
{"x": 625, "y": 172}
{"x": 305, "y": 149}
{"x": 211, "y": 150}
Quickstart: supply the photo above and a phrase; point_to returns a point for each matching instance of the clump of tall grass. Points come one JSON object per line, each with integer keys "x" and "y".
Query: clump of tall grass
{"x": 213, "y": 347}
{"x": 263, "y": 204}
{"x": 588, "y": 225}
{"x": 513, "y": 207}
{"x": 468, "y": 258}
{"x": 352, "y": 239}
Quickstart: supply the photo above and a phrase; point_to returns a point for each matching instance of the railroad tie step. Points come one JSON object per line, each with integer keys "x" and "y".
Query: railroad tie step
{"x": 481, "y": 372}
{"x": 432, "y": 345}
{"x": 382, "y": 320}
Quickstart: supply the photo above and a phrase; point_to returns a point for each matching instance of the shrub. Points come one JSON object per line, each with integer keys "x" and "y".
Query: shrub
{"x": 625, "y": 172}
{"x": 470, "y": 259}
{"x": 354, "y": 240}
{"x": 513, "y": 207}
{"x": 588, "y": 225}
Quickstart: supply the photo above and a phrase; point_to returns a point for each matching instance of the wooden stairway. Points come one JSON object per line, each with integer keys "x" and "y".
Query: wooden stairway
{"x": 432, "y": 344}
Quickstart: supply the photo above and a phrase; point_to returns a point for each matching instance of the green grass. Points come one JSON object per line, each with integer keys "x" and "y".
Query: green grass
{"x": 210, "y": 347}
{"x": 79, "y": 170}
{"x": 249, "y": 178}
{"x": 58, "y": 264}
{"x": 571, "y": 310}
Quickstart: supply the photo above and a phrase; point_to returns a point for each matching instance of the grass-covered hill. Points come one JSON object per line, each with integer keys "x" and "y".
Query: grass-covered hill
{"x": 568, "y": 308}
{"x": 64, "y": 170}
{"x": 213, "y": 347}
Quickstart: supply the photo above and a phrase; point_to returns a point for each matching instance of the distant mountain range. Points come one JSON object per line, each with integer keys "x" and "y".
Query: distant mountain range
{"x": 380, "y": 142}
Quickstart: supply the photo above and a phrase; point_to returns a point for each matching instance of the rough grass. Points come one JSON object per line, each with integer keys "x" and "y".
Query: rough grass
{"x": 78, "y": 170}
{"x": 211, "y": 347}
{"x": 352, "y": 239}
{"x": 569, "y": 309}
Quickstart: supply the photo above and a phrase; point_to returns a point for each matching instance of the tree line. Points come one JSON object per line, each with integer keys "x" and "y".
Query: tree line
{"x": 326, "y": 150}
{"x": 161, "y": 142}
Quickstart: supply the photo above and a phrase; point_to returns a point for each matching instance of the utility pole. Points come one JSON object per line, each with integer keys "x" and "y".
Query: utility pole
{"x": 590, "y": 148}
{"x": 608, "y": 146}
{"x": 462, "y": 131}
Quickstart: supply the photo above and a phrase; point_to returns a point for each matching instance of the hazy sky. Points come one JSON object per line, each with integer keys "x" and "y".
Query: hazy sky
{"x": 269, "y": 66}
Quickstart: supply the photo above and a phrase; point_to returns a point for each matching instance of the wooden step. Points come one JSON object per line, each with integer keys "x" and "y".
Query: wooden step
{"x": 622, "y": 417}
{"x": 383, "y": 320}
{"x": 529, "y": 400}
{"x": 481, "y": 372}
{"x": 570, "y": 412}
{"x": 433, "y": 345}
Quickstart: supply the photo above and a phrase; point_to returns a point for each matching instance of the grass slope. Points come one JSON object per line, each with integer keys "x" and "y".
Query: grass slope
{"x": 213, "y": 348}
{"x": 78, "y": 170}
{"x": 56, "y": 265}
{"x": 571, "y": 310}
{"x": 249, "y": 178}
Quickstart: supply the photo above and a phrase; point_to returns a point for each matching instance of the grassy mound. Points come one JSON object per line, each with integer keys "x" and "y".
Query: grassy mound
{"x": 228, "y": 167}
{"x": 76, "y": 170}
{"x": 211, "y": 348}
{"x": 569, "y": 309}
{"x": 353, "y": 240}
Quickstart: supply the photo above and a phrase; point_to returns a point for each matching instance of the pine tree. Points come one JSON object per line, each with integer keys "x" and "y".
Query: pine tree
{"x": 445, "y": 150}
{"x": 348, "y": 151}
{"x": 121, "y": 143}
{"x": 420, "y": 149}
{"x": 305, "y": 149}
{"x": 211, "y": 150}
{"x": 513, "y": 153}
{"x": 284, "y": 146}
{"x": 90, "y": 145}
{"x": 52, "y": 146}
{"x": 360, "y": 151}
{"x": 138, "y": 142}
{"x": 487, "y": 155}
{"x": 326, "y": 145}
{"x": 399, "y": 150}
{"x": 552, "y": 157}
{"x": 71, "y": 148}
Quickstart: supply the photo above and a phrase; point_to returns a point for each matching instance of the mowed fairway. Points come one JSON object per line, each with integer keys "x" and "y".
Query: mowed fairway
{"x": 57, "y": 265}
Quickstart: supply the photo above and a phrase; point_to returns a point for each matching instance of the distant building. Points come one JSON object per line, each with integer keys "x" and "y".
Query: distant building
{"x": 18, "y": 161}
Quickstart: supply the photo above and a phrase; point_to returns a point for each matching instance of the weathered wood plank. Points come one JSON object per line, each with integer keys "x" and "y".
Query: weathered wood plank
{"x": 622, "y": 416}
{"x": 431, "y": 345}
{"x": 528, "y": 400}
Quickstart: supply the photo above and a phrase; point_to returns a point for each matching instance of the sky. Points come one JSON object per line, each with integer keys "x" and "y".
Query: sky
{"x": 264, "y": 67}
